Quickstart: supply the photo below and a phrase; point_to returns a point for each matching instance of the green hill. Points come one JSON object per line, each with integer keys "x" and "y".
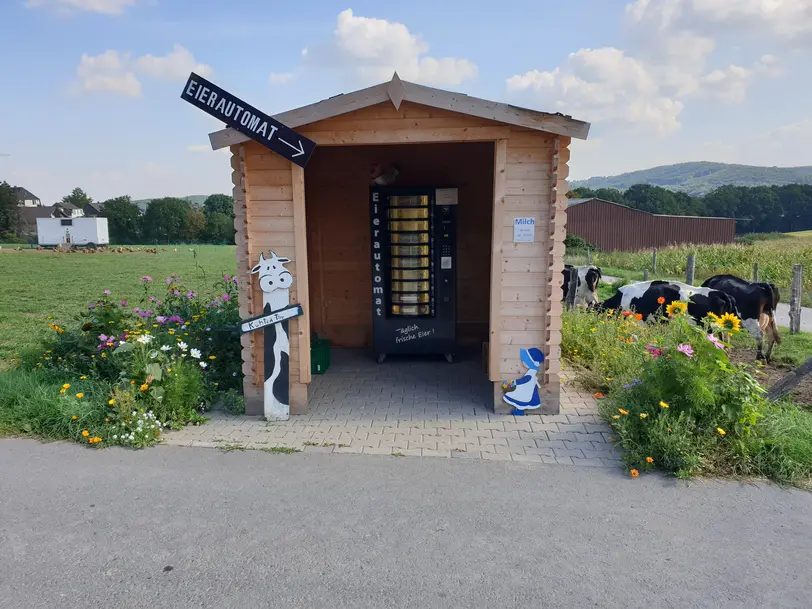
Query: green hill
{"x": 700, "y": 178}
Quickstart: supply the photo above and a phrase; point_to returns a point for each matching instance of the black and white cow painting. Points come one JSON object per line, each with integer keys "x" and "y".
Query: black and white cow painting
{"x": 757, "y": 303}
{"x": 642, "y": 297}
{"x": 586, "y": 290}
{"x": 275, "y": 282}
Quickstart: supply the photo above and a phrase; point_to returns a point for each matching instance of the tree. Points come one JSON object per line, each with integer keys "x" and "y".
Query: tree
{"x": 123, "y": 219}
{"x": 195, "y": 225}
{"x": 77, "y": 197}
{"x": 165, "y": 219}
{"x": 220, "y": 228}
{"x": 219, "y": 204}
{"x": 9, "y": 211}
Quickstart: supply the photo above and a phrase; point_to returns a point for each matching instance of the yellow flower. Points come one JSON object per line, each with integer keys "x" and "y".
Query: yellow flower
{"x": 621, "y": 411}
{"x": 63, "y": 390}
{"x": 649, "y": 460}
{"x": 171, "y": 331}
{"x": 634, "y": 473}
{"x": 728, "y": 321}
{"x": 82, "y": 378}
{"x": 154, "y": 325}
{"x": 80, "y": 395}
{"x": 592, "y": 329}
{"x": 104, "y": 355}
{"x": 676, "y": 308}
{"x": 617, "y": 416}
{"x": 132, "y": 382}
{"x": 212, "y": 357}
{"x": 663, "y": 404}
{"x": 643, "y": 415}
{"x": 169, "y": 369}
{"x": 92, "y": 357}
{"x": 74, "y": 417}
{"x": 106, "y": 420}
{"x": 720, "y": 431}
{"x": 144, "y": 387}
{"x": 85, "y": 433}
{"x": 609, "y": 379}
{"x": 66, "y": 386}
{"x": 111, "y": 401}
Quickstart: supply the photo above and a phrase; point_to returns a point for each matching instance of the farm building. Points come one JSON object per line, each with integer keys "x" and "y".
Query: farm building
{"x": 75, "y": 231}
{"x": 611, "y": 227}
{"x": 463, "y": 170}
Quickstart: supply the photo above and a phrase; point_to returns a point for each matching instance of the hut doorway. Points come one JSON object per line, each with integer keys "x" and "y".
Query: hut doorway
{"x": 337, "y": 182}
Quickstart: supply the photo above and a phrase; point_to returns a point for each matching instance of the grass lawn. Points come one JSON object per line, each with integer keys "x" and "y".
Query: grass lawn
{"x": 34, "y": 285}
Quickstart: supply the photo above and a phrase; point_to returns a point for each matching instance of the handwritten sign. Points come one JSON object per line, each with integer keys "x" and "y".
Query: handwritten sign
{"x": 412, "y": 332}
{"x": 256, "y": 323}
{"x": 524, "y": 230}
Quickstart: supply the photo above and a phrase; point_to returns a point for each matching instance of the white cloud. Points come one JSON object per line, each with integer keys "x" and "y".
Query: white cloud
{"x": 281, "y": 78}
{"x": 781, "y": 19}
{"x": 373, "y": 49}
{"x": 116, "y": 72}
{"x": 106, "y": 7}
{"x": 671, "y": 64}
{"x": 106, "y": 72}
{"x": 602, "y": 85}
{"x": 174, "y": 66}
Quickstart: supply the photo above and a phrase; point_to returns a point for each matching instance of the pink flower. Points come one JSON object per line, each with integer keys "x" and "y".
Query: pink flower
{"x": 715, "y": 341}
{"x": 654, "y": 351}
{"x": 225, "y": 297}
{"x": 236, "y": 279}
{"x": 190, "y": 295}
{"x": 152, "y": 298}
{"x": 686, "y": 349}
{"x": 103, "y": 338}
{"x": 168, "y": 281}
{"x": 136, "y": 310}
{"x": 123, "y": 303}
{"x": 91, "y": 306}
{"x": 107, "y": 292}
{"x": 225, "y": 278}
{"x": 146, "y": 279}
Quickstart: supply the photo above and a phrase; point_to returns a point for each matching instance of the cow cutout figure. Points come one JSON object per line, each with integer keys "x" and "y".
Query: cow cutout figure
{"x": 275, "y": 282}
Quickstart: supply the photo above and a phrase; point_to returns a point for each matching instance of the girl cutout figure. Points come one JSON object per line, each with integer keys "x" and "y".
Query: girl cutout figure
{"x": 524, "y": 392}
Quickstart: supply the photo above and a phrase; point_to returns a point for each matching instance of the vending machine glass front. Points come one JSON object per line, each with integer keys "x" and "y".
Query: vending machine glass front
{"x": 410, "y": 243}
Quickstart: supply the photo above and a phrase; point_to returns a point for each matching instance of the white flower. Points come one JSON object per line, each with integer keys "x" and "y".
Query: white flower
{"x": 203, "y": 364}
{"x": 195, "y": 353}
{"x": 208, "y": 329}
{"x": 153, "y": 354}
{"x": 134, "y": 413}
{"x": 166, "y": 348}
{"x": 182, "y": 346}
{"x": 115, "y": 437}
{"x": 144, "y": 339}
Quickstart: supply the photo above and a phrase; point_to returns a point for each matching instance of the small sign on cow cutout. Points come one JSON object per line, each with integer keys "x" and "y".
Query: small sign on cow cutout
{"x": 246, "y": 119}
{"x": 261, "y": 321}
{"x": 524, "y": 230}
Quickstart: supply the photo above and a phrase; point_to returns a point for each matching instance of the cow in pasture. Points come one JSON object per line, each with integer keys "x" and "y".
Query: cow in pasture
{"x": 643, "y": 297}
{"x": 757, "y": 303}
{"x": 586, "y": 290}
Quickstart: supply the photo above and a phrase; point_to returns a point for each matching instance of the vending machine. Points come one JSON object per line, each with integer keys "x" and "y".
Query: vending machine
{"x": 414, "y": 266}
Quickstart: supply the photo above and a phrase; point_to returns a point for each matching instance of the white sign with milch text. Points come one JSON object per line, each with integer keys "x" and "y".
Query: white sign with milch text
{"x": 524, "y": 230}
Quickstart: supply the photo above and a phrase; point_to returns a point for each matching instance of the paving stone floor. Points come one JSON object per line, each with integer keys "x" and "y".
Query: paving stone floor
{"x": 417, "y": 408}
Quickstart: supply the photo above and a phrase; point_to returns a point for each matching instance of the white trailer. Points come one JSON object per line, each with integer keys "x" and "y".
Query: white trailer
{"x": 73, "y": 231}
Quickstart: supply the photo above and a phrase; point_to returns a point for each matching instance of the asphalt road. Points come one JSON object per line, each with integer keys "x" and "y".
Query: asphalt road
{"x": 182, "y": 527}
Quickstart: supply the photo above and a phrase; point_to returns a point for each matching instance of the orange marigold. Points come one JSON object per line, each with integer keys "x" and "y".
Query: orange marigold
{"x": 634, "y": 473}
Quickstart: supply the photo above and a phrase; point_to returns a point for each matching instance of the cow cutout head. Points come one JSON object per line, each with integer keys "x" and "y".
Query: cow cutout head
{"x": 272, "y": 274}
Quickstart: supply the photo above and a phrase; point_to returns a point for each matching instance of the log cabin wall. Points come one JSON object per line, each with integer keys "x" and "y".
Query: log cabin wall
{"x": 267, "y": 221}
{"x": 337, "y": 203}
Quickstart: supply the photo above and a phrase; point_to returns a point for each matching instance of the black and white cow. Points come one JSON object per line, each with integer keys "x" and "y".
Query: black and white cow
{"x": 757, "y": 303}
{"x": 642, "y": 297}
{"x": 586, "y": 291}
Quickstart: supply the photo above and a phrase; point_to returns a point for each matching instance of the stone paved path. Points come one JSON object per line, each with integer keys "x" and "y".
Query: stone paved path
{"x": 416, "y": 409}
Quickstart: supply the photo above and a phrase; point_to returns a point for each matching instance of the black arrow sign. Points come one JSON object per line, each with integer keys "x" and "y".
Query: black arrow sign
{"x": 248, "y": 120}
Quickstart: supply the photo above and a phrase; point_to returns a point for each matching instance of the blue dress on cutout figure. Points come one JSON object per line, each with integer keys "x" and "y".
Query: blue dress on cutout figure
{"x": 525, "y": 391}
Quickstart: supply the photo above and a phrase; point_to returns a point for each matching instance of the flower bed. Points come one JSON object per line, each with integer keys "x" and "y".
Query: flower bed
{"x": 675, "y": 400}
{"x": 126, "y": 371}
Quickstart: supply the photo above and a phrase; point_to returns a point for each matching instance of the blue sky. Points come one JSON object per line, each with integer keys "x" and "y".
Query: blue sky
{"x": 95, "y": 84}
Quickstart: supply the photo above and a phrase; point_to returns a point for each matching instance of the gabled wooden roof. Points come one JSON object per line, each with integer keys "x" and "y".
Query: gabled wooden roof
{"x": 397, "y": 91}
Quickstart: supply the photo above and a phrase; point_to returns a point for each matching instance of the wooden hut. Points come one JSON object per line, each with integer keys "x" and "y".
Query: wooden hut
{"x": 506, "y": 163}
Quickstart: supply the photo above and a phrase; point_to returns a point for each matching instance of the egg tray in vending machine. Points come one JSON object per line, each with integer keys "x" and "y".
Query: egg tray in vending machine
{"x": 413, "y": 270}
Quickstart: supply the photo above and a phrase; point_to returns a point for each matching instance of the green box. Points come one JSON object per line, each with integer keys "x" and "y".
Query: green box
{"x": 319, "y": 354}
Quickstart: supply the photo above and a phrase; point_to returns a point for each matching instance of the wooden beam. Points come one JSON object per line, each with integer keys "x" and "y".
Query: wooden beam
{"x": 495, "y": 313}
{"x": 302, "y": 282}
{"x": 407, "y": 136}
{"x": 790, "y": 381}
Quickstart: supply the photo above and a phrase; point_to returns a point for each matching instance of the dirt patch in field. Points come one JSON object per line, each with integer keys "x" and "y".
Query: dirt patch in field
{"x": 769, "y": 374}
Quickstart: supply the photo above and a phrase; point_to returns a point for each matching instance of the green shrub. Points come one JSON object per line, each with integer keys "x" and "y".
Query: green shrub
{"x": 233, "y": 402}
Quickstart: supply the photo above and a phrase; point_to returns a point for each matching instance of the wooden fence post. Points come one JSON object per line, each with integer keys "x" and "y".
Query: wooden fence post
{"x": 654, "y": 261}
{"x": 755, "y": 272}
{"x": 789, "y": 382}
{"x": 690, "y": 269}
{"x": 588, "y": 256}
{"x": 795, "y": 298}
{"x": 572, "y": 287}
{"x": 645, "y": 274}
